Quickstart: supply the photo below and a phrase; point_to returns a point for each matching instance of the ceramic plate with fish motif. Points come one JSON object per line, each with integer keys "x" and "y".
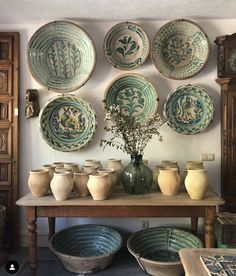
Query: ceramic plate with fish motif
{"x": 180, "y": 49}
{"x": 135, "y": 95}
{"x": 67, "y": 123}
{"x": 189, "y": 109}
{"x": 126, "y": 46}
{"x": 61, "y": 56}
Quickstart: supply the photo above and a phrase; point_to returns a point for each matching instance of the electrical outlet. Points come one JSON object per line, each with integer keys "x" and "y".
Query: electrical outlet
{"x": 145, "y": 224}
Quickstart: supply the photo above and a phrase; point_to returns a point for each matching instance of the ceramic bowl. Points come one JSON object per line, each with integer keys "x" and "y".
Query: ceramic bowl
{"x": 156, "y": 249}
{"x": 86, "y": 248}
{"x": 126, "y": 46}
{"x": 180, "y": 49}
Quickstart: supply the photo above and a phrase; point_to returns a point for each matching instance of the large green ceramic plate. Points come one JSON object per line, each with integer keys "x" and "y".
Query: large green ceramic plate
{"x": 189, "y": 109}
{"x": 67, "y": 123}
{"x": 61, "y": 56}
{"x": 135, "y": 95}
{"x": 180, "y": 49}
{"x": 126, "y": 46}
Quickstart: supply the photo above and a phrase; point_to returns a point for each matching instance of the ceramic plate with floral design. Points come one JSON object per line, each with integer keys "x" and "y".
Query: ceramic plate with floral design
{"x": 126, "y": 46}
{"x": 180, "y": 49}
{"x": 61, "y": 56}
{"x": 135, "y": 95}
{"x": 67, "y": 123}
{"x": 189, "y": 109}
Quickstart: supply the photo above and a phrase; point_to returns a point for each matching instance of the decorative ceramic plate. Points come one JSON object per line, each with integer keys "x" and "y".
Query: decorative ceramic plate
{"x": 126, "y": 46}
{"x": 67, "y": 123}
{"x": 180, "y": 49}
{"x": 61, "y": 56}
{"x": 135, "y": 95}
{"x": 188, "y": 109}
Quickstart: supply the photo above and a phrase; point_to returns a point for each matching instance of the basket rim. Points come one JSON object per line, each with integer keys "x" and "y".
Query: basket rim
{"x": 87, "y": 257}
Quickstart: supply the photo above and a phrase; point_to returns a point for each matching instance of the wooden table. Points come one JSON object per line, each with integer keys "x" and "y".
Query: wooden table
{"x": 190, "y": 258}
{"x": 121, "y": 205}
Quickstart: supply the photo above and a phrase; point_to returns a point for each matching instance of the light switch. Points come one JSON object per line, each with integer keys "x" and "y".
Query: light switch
{"x": 204, "y": 157}
{"x": 211, "y": 157}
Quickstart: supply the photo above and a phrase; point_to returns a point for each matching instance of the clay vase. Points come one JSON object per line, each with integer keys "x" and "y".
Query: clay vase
{"x": 118, "y": 166}
{"x": 39, "y": 182}
{"x": 58, "y": 164}
{"x": 50, "y": 168}
{"x": 112, "y": 175}
{"x": 191, "y": 165}
{"x": 80, "y": 183}
{"x": 99, "y": 186}
{"x": 62, "y": 170}
{"x": 93, "y": 162}
{"x": 90, "y": 169}
{"x": 74, "y": 167}
{"x": 196, "y": 183}
{"x": 156, "y": 173}
{"x": 169, "y": 181}
{"x": 61, "y": 185}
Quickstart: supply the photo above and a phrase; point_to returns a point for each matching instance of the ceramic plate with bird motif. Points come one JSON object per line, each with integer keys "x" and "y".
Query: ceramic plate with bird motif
{"x": 180, "y": 49}
{"x": 61, "y": 56}
{"x": 134, "y": 94}
{"x": 67, "y": 123}
{"x": 126, "y": 46}
{"x": 189, "y": 109}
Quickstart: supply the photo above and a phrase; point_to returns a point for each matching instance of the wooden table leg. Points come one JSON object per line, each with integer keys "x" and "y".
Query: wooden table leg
{"x": 51, "y": 226}
{"x": 210, "y": 214}
{"x": 194, "y": 224}
{"x": 32, "y": 239}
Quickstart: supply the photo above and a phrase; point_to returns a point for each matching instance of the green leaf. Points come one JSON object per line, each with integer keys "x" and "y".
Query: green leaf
{"x": 121, "y": 51}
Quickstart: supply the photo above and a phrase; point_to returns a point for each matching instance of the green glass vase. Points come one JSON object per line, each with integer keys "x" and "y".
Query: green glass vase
{"x": 136, "y": 177}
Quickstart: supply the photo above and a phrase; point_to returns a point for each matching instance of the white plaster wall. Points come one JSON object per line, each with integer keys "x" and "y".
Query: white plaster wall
{"x": 34, "y": 152}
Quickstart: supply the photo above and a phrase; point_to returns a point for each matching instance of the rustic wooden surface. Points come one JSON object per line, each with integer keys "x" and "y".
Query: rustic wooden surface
{"x": 190, "y": 258}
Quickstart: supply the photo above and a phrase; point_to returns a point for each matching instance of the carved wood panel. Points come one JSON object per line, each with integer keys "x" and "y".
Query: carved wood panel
{"x": 9, "y": 85}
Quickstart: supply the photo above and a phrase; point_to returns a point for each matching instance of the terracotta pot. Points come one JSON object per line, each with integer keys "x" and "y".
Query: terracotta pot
{"x": 196, "y": 183}
{"x": 156, "y": 173}
{"x": 112, "y": 175}
{"x": 50, "y": 168}
{"x": 58, "y": 164}
{"x": 74, "y": 167}
{"x": 61, "y": 185}
{"x": 80, "y": 183}
{"x": 62, "y": 170}
{"x": 90, "y": 169}
{"x": 169, "y": 181}
{"x": 99, "y": 186}
{"x": 93, "y": 162}
{"x": 191, "y": 165}
{"x": 118, "y": 166}
{"x": 39, "y": 182}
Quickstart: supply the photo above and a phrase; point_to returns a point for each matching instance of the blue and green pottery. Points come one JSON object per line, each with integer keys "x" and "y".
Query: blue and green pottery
{"x": 67, "y": 123}
{"x": 189, "y": 109}
{"x": 134, "y": 94}
{"x": 180, "y": 49}
{"x": 126, "y": 46}
{"x": 61, "y": 56}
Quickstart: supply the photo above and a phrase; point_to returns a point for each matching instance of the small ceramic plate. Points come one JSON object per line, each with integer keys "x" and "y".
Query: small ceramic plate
{"x": 135, "y": 95}
{"x": 61, "y": 56}
{"x": 188, "y": 109}
{"x": 126, "y": 46}
{"x": 180, "y": 49}
{"x": 67, "y": 123}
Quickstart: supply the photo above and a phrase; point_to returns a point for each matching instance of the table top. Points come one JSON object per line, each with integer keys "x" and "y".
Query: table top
{"x": 120, "y": 198}
{"x": 190, "y": 258}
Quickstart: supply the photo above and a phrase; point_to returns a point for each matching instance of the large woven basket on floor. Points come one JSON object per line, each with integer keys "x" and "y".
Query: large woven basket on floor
{"x": 156, "y": 249}
{"x": 86, "y": 248}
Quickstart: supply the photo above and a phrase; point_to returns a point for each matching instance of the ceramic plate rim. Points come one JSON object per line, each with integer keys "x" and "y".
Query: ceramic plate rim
{"x": 158, "y": 32}
{"x": 143, "y": 59}
{"x": 142, "y": 77}
{"x": 37, "y": 79}
{"x": 88, "y": 140}
{"x": 175, "y": 91}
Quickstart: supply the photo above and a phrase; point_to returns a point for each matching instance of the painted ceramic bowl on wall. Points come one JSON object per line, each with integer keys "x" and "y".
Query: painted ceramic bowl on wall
{"x": 134, "y": 94}
{"x": 67, "y": 123}
{"x": 126, "y": 46}
{"x": 61, "y": 56}
{"x": 180, "y": 49}
{"x": 189, "y": 109}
